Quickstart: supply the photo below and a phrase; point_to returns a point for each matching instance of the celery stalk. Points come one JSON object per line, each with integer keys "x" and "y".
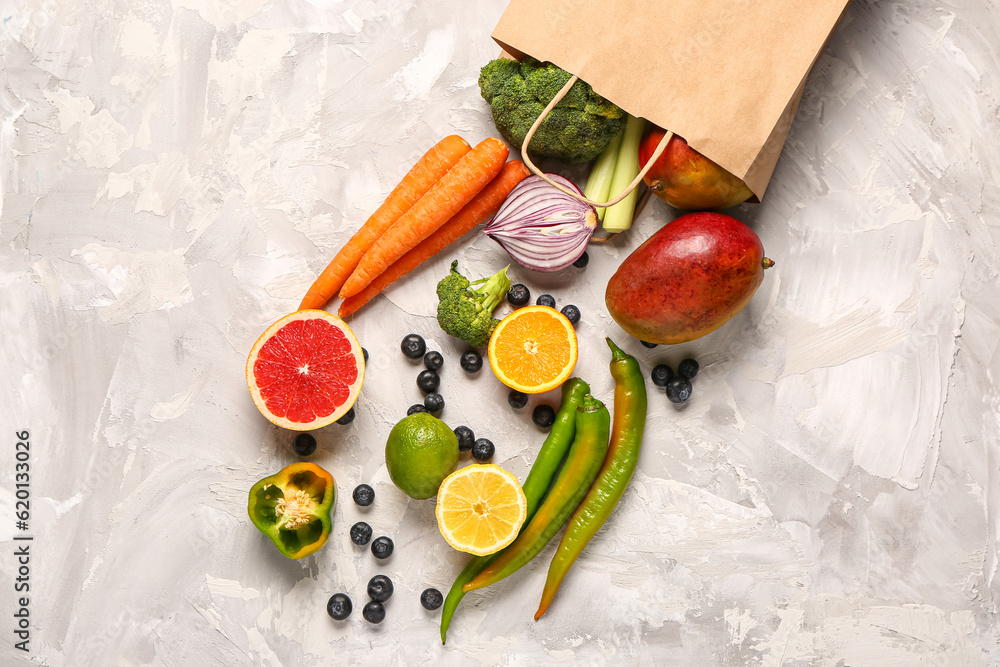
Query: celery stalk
{"x": 618, "y": 218}
{"x": 599, "y": 181}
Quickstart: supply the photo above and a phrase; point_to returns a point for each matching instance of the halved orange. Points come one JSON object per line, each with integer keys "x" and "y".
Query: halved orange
{"x": 533, "y": 349}
{"x": 480, "y": 509}
{"x": 306, "y": 370}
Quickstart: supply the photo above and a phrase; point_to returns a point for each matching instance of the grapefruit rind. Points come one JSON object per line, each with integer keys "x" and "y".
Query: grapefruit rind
{"x": 498, "y": 367}
{"x": 459, "y": 484}
{"x": 354, "y": 389}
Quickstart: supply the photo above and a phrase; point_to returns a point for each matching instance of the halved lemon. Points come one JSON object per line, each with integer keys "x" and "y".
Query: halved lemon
{"x": 306, "y": 370}
{"x": 480, "y": 509}
{"x": 533, "y": 349}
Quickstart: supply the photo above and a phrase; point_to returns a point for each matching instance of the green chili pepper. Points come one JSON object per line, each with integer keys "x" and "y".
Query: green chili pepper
{"x": 582, "y": 464}
{"x": 539, "y": 479}
{"x": 293, "y": 508}
{"x": 626, "y": 439}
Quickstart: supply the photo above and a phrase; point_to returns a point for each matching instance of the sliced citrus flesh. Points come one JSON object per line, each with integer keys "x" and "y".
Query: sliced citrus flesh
{"x": 480, "y": 509}
{"x": 306, "y": 370}
{"x": 533, "y": 350}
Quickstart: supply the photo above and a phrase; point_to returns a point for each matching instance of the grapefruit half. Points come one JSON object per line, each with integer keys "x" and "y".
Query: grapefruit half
{"x": 306, "y": 370}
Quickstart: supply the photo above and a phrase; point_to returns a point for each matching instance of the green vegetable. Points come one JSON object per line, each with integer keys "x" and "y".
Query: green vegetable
{"x": 618, "y": 218}
{"x": 467, "y": 313}
{"x": 293, "y": 508}
{"x": 616, "y": 473}
{"x": 577, "y": 129}
{"x": 582, "y": 464}
{"x": 599, "y": 181}
{"x": 539, "y": 478}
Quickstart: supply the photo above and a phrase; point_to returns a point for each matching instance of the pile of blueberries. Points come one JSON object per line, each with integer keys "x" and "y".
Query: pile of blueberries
{"x": 380, "y": 587}
{"x": 414, "y": 347}
{"x": 678, "y": 387}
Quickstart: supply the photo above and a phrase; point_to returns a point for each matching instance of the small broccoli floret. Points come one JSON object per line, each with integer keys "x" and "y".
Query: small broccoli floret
{"x": 578, "y": 128}
{"x": 465, "y": 311}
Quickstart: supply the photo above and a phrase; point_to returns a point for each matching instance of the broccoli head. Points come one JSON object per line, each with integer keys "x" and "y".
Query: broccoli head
{"x": 578, "y": 128}
{"x": 467, "y": 312}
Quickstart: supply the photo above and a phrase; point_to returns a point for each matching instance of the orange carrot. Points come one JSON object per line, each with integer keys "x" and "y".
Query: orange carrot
{"x": 455, "y": 189}
{"x": 483, "y": 207}
{"x": 428, "y": 170}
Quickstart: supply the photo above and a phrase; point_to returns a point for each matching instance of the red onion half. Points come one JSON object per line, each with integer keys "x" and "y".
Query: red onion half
{"x": 541, "y": 228}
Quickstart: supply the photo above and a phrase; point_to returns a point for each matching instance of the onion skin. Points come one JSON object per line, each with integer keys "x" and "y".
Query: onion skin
{"x": 541, "y": 228}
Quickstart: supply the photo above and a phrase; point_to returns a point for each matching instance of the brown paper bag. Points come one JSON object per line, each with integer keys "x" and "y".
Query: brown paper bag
{"x": 725, "y": 75}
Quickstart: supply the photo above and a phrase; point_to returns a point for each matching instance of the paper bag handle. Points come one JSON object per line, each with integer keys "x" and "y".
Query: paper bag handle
{"x": 660, "y": 147}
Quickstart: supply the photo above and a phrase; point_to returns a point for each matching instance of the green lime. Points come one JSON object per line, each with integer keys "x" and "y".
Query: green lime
{"x": 420, "y": 452}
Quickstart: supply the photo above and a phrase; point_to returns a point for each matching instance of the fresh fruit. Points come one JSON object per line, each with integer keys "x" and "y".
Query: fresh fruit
{"x": 306, "y": 370}
{"x": 294, "y": 508}
{"x": 679, "y": 390}
{"x": 661, "y": 375}
{"x": 686, "y": 179}
{"x": 434, "y": 402}
{"x": 380, "y": 588}
{"x": 517, "y": 399}
{"x": 480, "y": 508}
{"x": 339, "y": 606}
{"x": 546, "y": 300}
{"x": 373, "y": 612}
{"x": 543, "y": 415}
{"x": 364, "y": 353}
{"x": 688, "y": 279}
{"x": 518, "y": 295}
{"x": 472, "y": 362}
{"x": 466, "y": 438}
{"x": 428, "y": 381}
{"x": 382, "y": 547}
{"x": 572, "y": 313}
{"x": 433, "y": 360}
{"x": 415, "y": 408}
{"x": 431, "y": 599}
{"x": 347, "y": 418}
{"x": 533, "y": 349}
{"x": 413, "y": 346}
{"x": 363, "y": 495}
{"x": 420, "y": 452}
{"x": 647, "y": 344}
{"x": 688, "y": 368}
{"x": 483, "y": 450}
{"x": 304, "y": 444}
{"x": 582, "y": 261}
{"x": 361, "y": 533}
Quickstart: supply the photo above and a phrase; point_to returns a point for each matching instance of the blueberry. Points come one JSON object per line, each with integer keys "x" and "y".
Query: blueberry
{"x": 466, "y": 438}
{"x": 517, "y": 399}
{"x": 428, "y": 381}
{"x": 582, "y": 261}
{"x": 546, "y": 300}
{"x": 687, "y": 369}
{"x": 661, "y": 375}
{"x": 483, "y": 450}
{"x": 434, "y": 402}
{"x": 380, "y": 588}
{"x": 679, "y": 390}
{"x": 649, "y": 345}
{"x": 339, "y": 606}
{"x": 433, "y": 360}
{"x": 361, "y": 532}
{"x": 347, "y": 418}
{"x": 304, "y": 444}
{"x": 415, "y": 408}
{"x": 543, "y": 415}
{"x": 431, "y": 599}
{"x": 364, "y": 353}
{"x": 518, "y": 295}
{"x": 382, "y": 547}
{"x": 364, "y": 495}
{"x": 572, "y": 314}
{"x": 373, "y": 612}
{"x": 413, "y": 346}
{"x": 472, "y": 361}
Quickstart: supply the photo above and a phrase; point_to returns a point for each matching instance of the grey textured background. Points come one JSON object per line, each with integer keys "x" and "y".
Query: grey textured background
{"x": 174, "y": 174}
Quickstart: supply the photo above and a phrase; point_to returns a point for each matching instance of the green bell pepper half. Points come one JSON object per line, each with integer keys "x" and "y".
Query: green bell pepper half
{"x": 294, "y": 508}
